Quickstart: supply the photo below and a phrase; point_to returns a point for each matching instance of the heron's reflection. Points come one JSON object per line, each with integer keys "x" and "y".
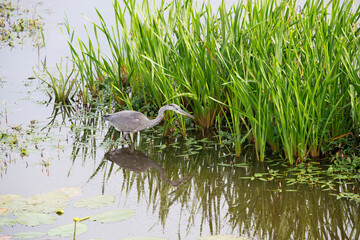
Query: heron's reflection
{"x": 136, "y": 161}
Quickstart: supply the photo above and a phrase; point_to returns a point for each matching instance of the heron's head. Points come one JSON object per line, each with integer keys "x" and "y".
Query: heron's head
{"x": 177, "y": 109}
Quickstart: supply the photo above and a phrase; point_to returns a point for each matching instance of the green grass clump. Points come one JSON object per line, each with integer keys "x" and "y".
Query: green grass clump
{"x": 284, "y": 76}
{"x": 62, "y": 85}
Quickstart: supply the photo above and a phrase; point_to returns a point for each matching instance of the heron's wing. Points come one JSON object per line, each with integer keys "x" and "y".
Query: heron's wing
{"x": 128, "y": 121}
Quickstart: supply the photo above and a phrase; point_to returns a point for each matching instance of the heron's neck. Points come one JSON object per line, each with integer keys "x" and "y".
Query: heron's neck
{"x": 158, "y": 119}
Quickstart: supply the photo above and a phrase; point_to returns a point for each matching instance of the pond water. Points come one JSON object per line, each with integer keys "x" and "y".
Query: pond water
{"x": 179, "y": 188}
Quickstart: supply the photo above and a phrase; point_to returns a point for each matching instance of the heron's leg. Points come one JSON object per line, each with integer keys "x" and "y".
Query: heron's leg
{"x": 132, "y": 137}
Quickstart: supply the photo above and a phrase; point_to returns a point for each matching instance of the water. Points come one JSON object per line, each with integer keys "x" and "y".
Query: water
{"x": 179, "y": 188}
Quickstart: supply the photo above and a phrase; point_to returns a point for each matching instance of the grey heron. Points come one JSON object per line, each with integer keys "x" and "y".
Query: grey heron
{"x": 133, "y": 121}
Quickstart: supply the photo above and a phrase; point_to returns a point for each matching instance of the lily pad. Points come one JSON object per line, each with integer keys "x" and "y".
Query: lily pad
{"x": 113, "y": 216}
{"x": 33, "y": 219}
{"x": 95, "y": 202}
{"x": 28, "y": 235}
{"x": 3, "y": 210}
{"x": 68, "y": 230}
{"x": 51, "y": 201}
{"x": 45, "y": 202}
{"x": 5, "y": 221}
{"x": 14, "y": 204}
{"x": 5, "y": 237}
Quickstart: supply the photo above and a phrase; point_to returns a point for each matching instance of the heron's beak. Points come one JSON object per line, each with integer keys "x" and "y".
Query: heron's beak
{"x": 186, "y": 114}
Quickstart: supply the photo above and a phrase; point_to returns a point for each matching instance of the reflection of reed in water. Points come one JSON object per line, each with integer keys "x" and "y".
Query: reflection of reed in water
{"x": 224, "y": 200}
{"x": 136, "y": 161}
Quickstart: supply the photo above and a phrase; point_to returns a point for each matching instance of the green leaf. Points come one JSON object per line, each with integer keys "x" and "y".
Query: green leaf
{"x": 14, "y": 203}
{"x": 33, "y": 219}
{"x": 5, "y": 221}
{"x": 3, "y": 210}
{"x": 95, "y": 202}
{"x": 28, "y": 235}
{"x": 113, "y": 216}
{"x": 51, "y": 201}
{"x": 68, "y": 230}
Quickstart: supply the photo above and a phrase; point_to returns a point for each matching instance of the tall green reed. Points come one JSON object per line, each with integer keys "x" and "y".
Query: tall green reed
{"x": 62, "y": 83}
{"x": 288, "y": 75}
{"x": 287, "y": 70}
{"x": 174, "y": 53}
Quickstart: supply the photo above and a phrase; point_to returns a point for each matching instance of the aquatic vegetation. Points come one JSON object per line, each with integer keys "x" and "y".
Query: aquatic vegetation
{"x": 91, "y": 77}
{"x": 28, "y": 235}
{"x": 15, "y": 25}
{"x": 203, "y": 196}
{"x": 95, "y": 202}
{"x": 344, "y": 173}
{"x": 37, "y": 209}
{"x": 62, "y": 84}
{"x": 17, "y": 205}
{"x": 239, "y": 191}
{"x": 285, "y": 78}
{"x": 68, "y": 230}
{"x": 113, "y": 216}
{"x": 18, "y": 142}
{"x": 290, "y": 90}
{"x": 211, "y": 198}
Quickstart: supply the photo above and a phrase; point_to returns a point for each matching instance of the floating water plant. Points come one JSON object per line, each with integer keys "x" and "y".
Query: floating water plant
{"x": 113, "y": 216}
{"x": 68, "y": 230}
{"x": 46, "y": 202}
{"x": 20, "y": 141}
{"x": 28, "y": 235}
{"x": 95, "y": 202}
{"x": 35, "y": 210}
{"x": 35, "y": 218}
{"x": 15, "y": 25}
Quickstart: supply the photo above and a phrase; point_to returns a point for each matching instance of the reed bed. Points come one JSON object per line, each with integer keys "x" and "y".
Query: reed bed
{"x": 284, "y": 76}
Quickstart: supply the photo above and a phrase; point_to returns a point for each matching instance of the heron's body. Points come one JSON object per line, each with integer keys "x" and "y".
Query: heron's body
{"x": 128, "y": 121}
{"x": 133, "y": 121}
